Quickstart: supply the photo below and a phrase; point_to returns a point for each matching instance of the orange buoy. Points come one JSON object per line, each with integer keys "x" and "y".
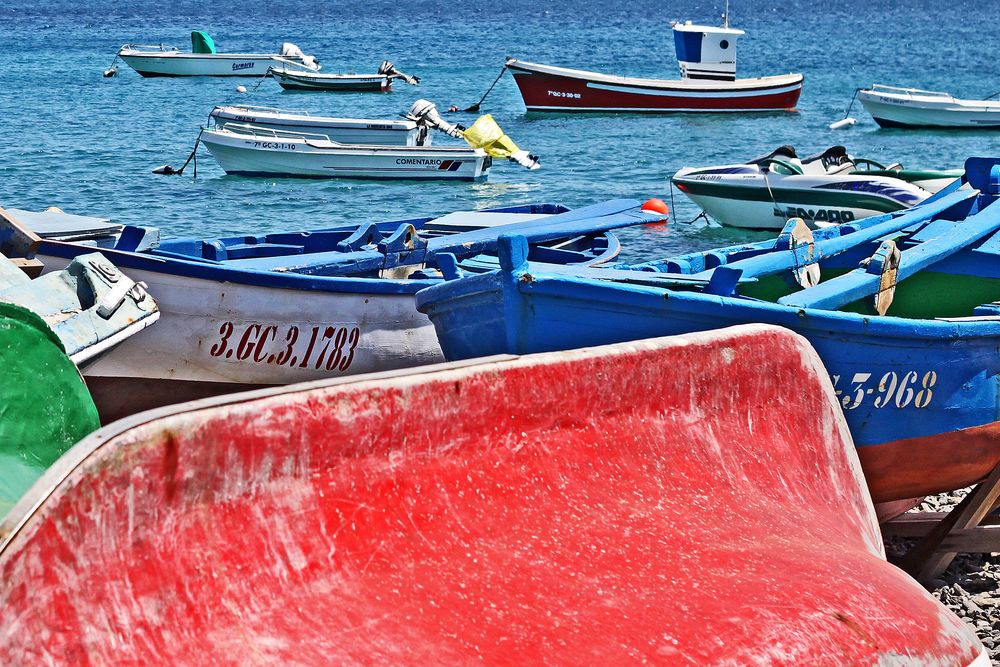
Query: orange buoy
{"x": 655, "y": 205}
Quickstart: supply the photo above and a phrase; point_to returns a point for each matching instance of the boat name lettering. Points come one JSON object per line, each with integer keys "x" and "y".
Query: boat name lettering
{"x": 328, "y": 347}
{"x": 274, "y": 144}
{"x": 902, "y": 390}
{"x": 246, "y": 119}
{"x": 417, "y": 160}
{"x": 707, "y": 177}
{"x": 819, "y": 215}
{"x": 559, "y": 93}
{"x": 239, "y": 66}
{"x": 372, "y": 126}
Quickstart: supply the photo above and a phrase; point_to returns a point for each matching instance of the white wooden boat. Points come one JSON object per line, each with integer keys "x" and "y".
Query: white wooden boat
{"x": 281, "y": 308}
{"x": 894, "y": 107}
{"x": 204, "y": 60}
{"x": 369, "y": 132}
{"x": 247, "y": 150}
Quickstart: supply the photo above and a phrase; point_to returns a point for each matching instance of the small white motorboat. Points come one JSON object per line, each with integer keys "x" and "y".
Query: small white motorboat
{"x": 205, "y": 60}
{"x": 299, "y": 79}
{"x": 828, "y": 188}
{"x": 248, "y": 150}
{"x": 395, "y": 132}
{"x": 911, "y": 107}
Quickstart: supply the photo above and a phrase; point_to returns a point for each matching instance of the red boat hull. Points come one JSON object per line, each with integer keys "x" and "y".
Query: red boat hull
{"x": 904, "y": 468}
{"x": 545, "y": 91}
{"x": 669, "y": 501}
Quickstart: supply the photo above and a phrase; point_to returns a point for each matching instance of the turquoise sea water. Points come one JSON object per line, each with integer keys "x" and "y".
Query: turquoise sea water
{"x": 87, "y": 144}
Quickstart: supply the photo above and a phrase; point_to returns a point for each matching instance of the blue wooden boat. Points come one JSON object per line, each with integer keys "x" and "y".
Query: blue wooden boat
{"x": 270, "y": 309}
{"x": 903, "y": 308}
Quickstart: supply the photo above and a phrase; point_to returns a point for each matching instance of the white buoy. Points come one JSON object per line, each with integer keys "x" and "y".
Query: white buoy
{"x": 843, "y": 122}
{"x": 241, "y": 89}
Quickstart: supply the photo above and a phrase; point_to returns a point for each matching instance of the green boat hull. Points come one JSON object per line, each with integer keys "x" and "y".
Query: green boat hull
{"x": 46, "y": 405}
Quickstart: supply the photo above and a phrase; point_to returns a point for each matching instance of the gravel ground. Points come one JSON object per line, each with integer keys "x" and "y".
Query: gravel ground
{"x": 970, "y": 586}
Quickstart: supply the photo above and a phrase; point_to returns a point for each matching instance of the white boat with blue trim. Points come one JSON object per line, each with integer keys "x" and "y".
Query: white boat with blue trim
{"x": 248, "y": 311}
{"x": 894, "y": 107}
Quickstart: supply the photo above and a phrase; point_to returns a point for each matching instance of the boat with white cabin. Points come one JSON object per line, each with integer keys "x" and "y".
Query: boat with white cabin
{"x": 894, "y": 107}
{"x": 205, "y": 60}
{"x": 708, "y": 83}
{"x": 828, "y": 188}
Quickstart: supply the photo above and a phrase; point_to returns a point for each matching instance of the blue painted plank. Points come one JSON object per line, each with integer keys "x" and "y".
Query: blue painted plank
{"x": 860, "y": 283}
{"x": 589, "y": 219}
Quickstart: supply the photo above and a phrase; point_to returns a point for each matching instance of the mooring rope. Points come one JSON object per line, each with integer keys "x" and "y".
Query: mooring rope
{"x": 167, "y": 170}
{"x": 674, "y": 208}
{"x": 475, "y": 107}
{"x": 851, "y": 105}
{"x": 112, "y": 70}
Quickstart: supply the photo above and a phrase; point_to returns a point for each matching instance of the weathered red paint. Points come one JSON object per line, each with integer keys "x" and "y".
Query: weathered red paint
{"x": 576, "y": 95}
{"x": 690, "y": 500}
{"x": 931, "y": 464}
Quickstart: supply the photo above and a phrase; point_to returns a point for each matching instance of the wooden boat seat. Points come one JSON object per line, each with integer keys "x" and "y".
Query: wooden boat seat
{"x": 253, "y": 250}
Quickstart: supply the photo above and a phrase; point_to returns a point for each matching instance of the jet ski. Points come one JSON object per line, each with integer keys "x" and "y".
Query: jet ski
{"x": 826, "y": 189}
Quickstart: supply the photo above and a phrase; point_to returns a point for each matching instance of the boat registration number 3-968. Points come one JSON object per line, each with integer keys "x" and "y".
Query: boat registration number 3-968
{"x": 321, "y": 347}
{"x": 898, "y": 389}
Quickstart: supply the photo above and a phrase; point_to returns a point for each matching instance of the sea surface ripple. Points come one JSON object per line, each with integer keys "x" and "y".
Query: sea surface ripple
{"x": 88, "y": 144}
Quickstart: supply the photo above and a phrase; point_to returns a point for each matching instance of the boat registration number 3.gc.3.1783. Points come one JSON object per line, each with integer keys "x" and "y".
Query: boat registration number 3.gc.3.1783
{"x": 900, "y": 390}
{"x": 320, "y": 347}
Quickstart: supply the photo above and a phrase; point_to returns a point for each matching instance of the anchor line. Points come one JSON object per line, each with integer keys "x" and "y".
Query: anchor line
{"x": 475, "y": 107}
{"x": 674, "y": 208}
{"x": 851, "y": 105}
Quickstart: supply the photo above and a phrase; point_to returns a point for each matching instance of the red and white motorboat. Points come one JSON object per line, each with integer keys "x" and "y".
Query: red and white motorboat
{"x": 708, "y": 83}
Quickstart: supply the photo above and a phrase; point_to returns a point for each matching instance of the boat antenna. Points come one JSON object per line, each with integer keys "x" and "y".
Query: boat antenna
{"x": 725, "y": 16}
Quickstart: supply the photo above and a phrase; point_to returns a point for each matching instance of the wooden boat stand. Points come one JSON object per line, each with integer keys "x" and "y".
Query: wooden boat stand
{"x": 968, "y": 528}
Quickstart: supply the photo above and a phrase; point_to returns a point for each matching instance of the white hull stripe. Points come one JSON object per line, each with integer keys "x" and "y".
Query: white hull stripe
{"x": 657, "y": 109}
{"x": 692, "y": 94}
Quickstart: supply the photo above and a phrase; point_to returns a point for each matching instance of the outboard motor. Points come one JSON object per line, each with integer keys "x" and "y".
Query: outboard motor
{"x": 293, "y": 52}
{"x": 425, "y": 113}
{"x": 390, "y": 70}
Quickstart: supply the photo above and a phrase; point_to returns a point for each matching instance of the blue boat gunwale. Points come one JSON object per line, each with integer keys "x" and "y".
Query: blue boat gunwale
{"x": 525, "y": 279}
{"x": 177, "y": 265}
{"x": 983, "y": 174}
